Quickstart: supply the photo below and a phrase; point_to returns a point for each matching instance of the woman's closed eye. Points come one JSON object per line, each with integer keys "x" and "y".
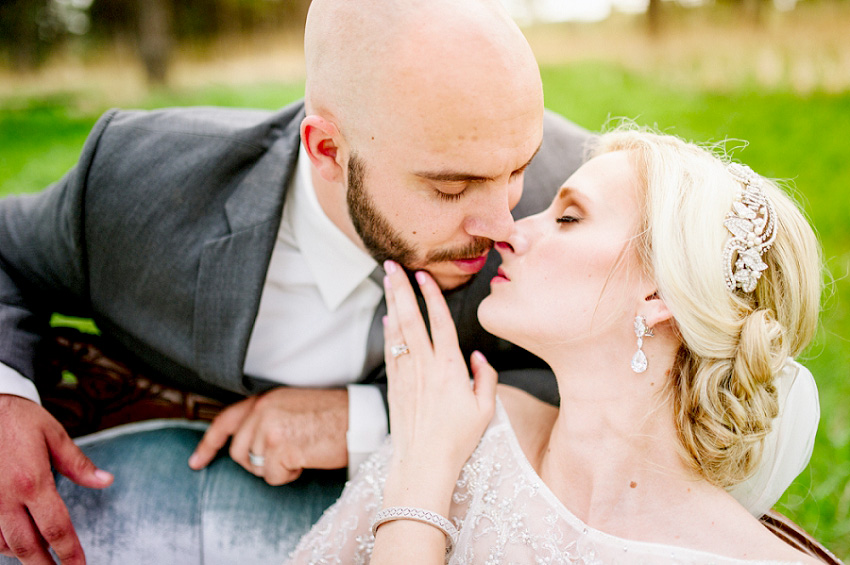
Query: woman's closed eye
{"x": 567, "y": 219}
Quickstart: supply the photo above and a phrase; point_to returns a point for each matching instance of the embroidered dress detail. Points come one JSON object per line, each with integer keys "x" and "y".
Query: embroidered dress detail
{"x": 505, "y": 515}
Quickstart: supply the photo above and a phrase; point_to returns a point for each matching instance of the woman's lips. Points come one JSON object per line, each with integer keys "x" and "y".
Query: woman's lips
{"x": 471, "y": 266}
{"x": 500, "y": 277}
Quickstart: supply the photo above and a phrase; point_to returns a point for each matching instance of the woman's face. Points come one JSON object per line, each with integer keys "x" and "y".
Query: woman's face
{"x": 568, "y": 274}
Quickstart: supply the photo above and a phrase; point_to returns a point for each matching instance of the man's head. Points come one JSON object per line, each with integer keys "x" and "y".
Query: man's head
{"x": 421, "y": 117}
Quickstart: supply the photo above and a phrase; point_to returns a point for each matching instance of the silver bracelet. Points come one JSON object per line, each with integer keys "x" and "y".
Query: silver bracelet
{"x": 420, "y": 515}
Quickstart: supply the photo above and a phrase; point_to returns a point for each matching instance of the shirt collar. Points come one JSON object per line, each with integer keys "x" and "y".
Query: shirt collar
{"x": 337, "y": 264}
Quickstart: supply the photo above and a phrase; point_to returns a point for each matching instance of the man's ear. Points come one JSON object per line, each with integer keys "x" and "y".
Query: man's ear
{"x": 323, "y": 142}
{"x": 655, "y": 310}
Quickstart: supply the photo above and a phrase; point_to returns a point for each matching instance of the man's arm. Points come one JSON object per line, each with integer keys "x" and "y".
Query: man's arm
{"x": 40, "y": 267}
{"x": 42, "y": 260}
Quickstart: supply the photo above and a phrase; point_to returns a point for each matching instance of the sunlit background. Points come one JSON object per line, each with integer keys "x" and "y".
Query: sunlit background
{"x": 536, "y": 11}
{"x": 775, "y": 73}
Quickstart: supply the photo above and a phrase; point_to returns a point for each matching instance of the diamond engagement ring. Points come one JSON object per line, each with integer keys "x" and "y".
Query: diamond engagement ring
{"x": 256, "y": 460}
{"x": 399, "y": 350}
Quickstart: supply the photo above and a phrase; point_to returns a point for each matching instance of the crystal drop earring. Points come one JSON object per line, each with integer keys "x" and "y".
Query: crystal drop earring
{"x": 639, "y": 362}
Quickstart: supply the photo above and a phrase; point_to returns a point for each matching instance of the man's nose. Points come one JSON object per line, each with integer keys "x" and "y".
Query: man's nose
{"x": 491, "y": 218}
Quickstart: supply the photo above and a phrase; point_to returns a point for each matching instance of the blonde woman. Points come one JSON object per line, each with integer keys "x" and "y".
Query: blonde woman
{"x": 667, "y": 290}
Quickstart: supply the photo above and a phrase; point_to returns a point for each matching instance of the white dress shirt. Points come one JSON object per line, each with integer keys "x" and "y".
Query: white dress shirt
{"x": 315, "y": 311}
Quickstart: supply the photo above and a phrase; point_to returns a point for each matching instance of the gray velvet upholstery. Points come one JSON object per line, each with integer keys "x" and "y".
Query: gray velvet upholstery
{"x": 159, "y": 511}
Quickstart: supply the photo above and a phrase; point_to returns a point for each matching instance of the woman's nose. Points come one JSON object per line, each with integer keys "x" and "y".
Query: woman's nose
{"x": 521, "y": 235}
{"x": 516, "y": 243}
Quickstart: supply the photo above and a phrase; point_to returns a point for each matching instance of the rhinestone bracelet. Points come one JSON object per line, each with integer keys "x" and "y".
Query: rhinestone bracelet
{"x": 419, "y": 515}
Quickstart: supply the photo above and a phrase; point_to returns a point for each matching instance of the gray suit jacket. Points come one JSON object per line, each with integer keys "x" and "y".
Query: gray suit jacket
{"x": 163, "y": 231}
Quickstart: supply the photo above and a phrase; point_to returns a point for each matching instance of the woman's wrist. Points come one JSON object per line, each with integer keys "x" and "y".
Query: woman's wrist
{"x": 429, "y": 487}
{"x": 425, "y": 517}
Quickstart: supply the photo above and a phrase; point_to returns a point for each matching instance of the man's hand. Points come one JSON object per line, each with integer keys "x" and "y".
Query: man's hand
{"x": 292, "y": 428}
{"x": 32, "y": 515}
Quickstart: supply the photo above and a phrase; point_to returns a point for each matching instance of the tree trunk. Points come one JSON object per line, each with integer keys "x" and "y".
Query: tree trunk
{"x": 653, "y": 17}
{"x": 19, "y": 22}
{"x": 155, "y": 38}
{"x": 752, "y": 10}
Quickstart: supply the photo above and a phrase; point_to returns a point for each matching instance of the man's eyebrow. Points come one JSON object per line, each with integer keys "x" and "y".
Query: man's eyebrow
{"x": 452, "y": 176}
{"x": 527, "y": 163}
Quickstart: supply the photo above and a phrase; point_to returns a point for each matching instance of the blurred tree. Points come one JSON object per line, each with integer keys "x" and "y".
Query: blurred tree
{"x": 653, "y": 16}
{"x": 155, "y": 38}
{"x": 750, "y": 10}
{"x": 156, "y": 26}
{"x": 30, "y": 29}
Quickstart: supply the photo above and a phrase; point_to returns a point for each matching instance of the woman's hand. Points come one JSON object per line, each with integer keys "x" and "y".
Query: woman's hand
{"x": 436, "y": 416}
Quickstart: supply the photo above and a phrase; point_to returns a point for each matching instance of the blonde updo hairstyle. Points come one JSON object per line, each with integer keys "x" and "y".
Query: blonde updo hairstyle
{"x": 734, "y": 344}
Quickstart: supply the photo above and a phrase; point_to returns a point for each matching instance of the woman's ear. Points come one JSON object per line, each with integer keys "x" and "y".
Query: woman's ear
{"x": 655, "y": 310}
{"x": 323, "y": 142}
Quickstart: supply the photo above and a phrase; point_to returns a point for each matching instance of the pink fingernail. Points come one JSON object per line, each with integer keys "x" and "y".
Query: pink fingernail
{"x": 102, "y": 475}
{"x": 421, "y": 278}
{"x": 387, "y": 283}
{"x": 390, "y": 267}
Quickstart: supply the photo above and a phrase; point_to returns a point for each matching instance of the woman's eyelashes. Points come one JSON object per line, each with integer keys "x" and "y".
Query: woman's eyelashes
{"x": 568, "y": 219}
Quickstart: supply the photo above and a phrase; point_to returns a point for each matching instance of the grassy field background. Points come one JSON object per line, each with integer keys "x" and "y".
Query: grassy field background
{"x": 795, "y": 123}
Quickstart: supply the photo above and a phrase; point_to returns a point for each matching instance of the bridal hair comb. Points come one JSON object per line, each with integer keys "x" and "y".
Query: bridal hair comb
{"x": 752, "y": 224}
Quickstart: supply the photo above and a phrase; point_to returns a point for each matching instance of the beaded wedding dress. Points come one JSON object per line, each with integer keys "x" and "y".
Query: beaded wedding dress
{"x": 505, "y": 513}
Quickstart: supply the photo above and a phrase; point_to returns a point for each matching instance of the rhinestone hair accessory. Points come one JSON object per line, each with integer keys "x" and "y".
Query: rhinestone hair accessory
{"x": 752, "y": 224}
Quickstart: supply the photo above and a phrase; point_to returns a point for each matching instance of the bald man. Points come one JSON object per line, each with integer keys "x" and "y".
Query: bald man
{"x": 233, "y": 253}
{"x": 230, "y": 252}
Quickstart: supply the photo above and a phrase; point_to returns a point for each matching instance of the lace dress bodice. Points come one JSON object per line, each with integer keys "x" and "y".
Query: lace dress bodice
{"x": 504, "y": 511}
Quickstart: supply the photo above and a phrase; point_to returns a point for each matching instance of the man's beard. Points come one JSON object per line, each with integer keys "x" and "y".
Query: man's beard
{"x": 382, "y": 241}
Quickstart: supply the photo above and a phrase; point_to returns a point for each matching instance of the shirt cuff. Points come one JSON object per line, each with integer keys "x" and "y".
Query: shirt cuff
{"x": 12, "y": 382}
{"x": 367, "y": 424}
{"x": 789, "y": 444}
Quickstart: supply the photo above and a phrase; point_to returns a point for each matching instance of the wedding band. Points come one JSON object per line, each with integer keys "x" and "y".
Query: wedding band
{"x": 256, "y": 460}
{"x": 399, "y": 350}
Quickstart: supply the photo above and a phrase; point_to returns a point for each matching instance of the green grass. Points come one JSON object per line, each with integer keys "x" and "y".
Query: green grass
{"x": 803, "y": 139}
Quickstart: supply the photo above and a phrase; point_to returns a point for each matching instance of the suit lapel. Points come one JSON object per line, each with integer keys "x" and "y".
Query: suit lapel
{"x": 232, "y": 268}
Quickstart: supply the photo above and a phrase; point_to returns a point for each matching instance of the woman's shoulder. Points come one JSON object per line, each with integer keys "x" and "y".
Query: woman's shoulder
{"x": 767, "y": 547}
{"x": 724, "y": 527}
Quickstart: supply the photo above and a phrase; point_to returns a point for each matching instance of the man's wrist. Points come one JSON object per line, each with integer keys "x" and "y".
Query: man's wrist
{"x": 12, "y": 382}
{"x": 367, "y": 424}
